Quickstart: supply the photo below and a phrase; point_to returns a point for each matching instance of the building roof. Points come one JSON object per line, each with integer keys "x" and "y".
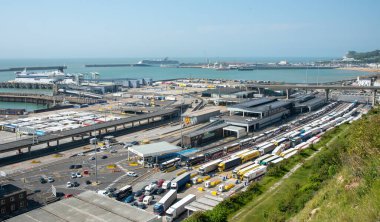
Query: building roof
{"x": 252, "y": 103}
{"x": 234, "y": 128}
{"x": 87, "y": 206}
{"x": 154, "y": 149}
{"x": 209, "y": 129}
{"x": 203, "y": 204}
{"x": 8, "y": 190}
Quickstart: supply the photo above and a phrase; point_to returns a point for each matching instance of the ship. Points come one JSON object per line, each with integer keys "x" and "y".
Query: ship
{"x": 159, "y": 62}
{"x": 48, "y": 77}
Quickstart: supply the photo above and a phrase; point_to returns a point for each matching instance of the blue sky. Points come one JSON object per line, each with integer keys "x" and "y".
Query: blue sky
{"x": 192, "y": 28}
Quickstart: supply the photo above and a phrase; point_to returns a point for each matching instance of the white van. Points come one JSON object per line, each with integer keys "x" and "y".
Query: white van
{"x": 147, "y": 200}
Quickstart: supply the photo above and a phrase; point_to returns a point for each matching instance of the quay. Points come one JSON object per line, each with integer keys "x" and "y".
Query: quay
{"x": 45, "y": 99}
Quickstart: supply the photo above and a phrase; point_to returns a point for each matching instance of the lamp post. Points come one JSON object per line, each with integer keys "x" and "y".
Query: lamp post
{"x": 181, "y": 120}
{"x": 94, "y": 141}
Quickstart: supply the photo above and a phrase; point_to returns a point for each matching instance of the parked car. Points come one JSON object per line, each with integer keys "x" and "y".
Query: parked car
{"x": 78, "y": 166}
{"x": 160, "y": 182}
{"x": 80, "y": 154}
{"x": 73, "y": 175}
{"x": 141, "y": 198}
{"x": 138, "y": 193}
{"x": 72, "y": 166}
{"x": 104, "y": 157}
{"x": 135, "y": 204}
{"x": 69, "y": 184}
{"x": 142, "y": 206}
{"x": 160, "y": 191}
{"x": 68, "y": 195}
{"x": 113, "y": 151}
{"x": 129, "y": 199}
{"x": 42, "y": 180}
{"x": 76, "y": 184}
{"x": 88, "y": 182}
{"x": 134, "y": 143}
{"x": 79, "y": 175}
{"x": 50, "y": 179}
{"x": 91, "y": 158}
{"x": 131, "y": 174}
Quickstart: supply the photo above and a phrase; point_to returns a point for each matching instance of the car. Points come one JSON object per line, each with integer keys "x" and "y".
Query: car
{"x": 50, "y": 179}
{"x": 135, "y": 204}
{"x": 104, "y": 157}
{"x": 78, "y": 166}
{"x": 76, "y": 184}
{"x": 37, "y": 191}
{"x": 79, "y": 175}
{"x": 134, "y": 143}
{"x": 80, "y": 154}
{"x": 141, "y": 198}
{"x": 103, "y": 148}
{"x": 142, "y": 206}
{"x": 68, "y": 195}
{"x": 113, "y": 151}
{"x": 72, "y": 166}
{"x": 88, "y": 182}
{"x": 160, "y": 191}
{"x": 42, "y": 180}
{"x": 73, "y": 175}
{"x": 160, "y": 182}
{"x": 69, "y": 184}
{"x": 138, "y": 193}
{"x": 91, "y": 158}
{"x": 129, "y": 199}
{"x": 131, "y": 174}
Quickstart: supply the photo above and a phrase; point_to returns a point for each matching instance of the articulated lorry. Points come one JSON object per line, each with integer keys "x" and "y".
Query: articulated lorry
{"x": 178, "y": 208}
{"x": 165, "y": 202}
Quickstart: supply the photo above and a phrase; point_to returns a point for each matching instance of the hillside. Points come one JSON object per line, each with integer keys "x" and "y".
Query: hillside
{"x": 368, "y": 57}
{"x": 335, "y": 180}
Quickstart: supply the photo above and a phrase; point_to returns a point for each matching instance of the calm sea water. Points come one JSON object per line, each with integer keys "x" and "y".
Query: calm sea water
{"x": 157, "y": 73}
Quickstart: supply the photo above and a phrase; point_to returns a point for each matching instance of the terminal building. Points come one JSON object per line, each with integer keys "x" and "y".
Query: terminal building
{"x": 257, "y": 113}
{"x": 154, "y": 152}
{"x": 308, "y": 103}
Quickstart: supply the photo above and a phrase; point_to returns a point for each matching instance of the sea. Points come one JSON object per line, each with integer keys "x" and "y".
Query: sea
{"x": 157, "y": 73}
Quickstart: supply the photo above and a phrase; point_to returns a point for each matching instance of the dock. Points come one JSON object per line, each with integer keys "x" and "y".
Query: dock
{"x": 15, "y": 69}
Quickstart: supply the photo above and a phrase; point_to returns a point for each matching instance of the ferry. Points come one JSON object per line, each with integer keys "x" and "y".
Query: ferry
{"x": 159, "y": 62}
{"x": 48, "y": 77}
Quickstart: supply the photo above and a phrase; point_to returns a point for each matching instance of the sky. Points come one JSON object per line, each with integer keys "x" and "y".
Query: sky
{"x": 187, "y": 28}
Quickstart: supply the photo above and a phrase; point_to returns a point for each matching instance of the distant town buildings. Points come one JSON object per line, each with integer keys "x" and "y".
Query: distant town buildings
{"x": 363, "y": 81}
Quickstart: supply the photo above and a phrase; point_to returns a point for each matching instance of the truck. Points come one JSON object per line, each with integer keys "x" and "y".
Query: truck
{"x": 225, "y": 187}
{"x": 234, "y": 172}
{"x": 267, "y": 148}
{"x": 226, "y": 164}
{"x": 258, "y": 160}
{"x": 291, "y": 150}
{"x": 166, "y": 201}
{"x": 208, "y": 167}
{"x": 179, "y": 182}
{"x": 166, "y": 184}
{"x": 147, "y": 200}
{"x": 250, "y": 155}
{"x": 178, "y": 208}
{"x": 212, "y": 183}
{"x": 244, "y": 170}
{"x": 253, "y": 174}
{"x": 268, "y": 160}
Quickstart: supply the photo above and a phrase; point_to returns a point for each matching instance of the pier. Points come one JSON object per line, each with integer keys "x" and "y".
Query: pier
{"x": 16, "y": 69}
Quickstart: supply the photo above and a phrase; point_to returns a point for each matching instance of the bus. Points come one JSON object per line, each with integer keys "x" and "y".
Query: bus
{"x": 123, "y": 192}
{"x": 169, "y": 163}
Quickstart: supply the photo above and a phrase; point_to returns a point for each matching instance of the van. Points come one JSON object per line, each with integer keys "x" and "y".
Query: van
{"x": 147, "y": 200}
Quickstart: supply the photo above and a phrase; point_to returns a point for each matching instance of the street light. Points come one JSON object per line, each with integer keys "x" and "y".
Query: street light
{"x": 181, "y": 120}
{"x": 94, "y": 141}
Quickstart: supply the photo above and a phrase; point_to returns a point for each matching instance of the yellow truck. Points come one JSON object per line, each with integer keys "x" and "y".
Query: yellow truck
{"x": 212, "y": 183}
{"x": 250, "y": 155}
{"x": 225, "y": 187}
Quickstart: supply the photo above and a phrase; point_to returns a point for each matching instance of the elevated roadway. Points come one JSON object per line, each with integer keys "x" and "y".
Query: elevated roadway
{"x": 91, "y": 130}
{"x": 327, "y": 88}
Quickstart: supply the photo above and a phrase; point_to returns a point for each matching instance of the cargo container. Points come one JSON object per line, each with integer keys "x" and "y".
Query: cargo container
{"x": 302, "y": 146}
{"x": 234, "y": 172}
{"x": 166, "y": 201}
{"x": 250, "y": 156}
{"x": 296, "y": 140}
{"x": 178, "y": 208}
{"x": 280, "y": 141}
{"x": 277, "y": 160}
{"x": 268, "y": 160}
{"x": 288, "y": 151}
{"x": 268, "y": 148}
{"x": 241, "y": 172}
{"x": 212, "y": 183}
{"x": 225, "y": 187}
{"x": 209, "y": 167}
{"x": 255, "y": 173}
{"x": 180, "y": 181}
{"x": 290, "y": 154}
{"x": 227, "y": 164}
{"x": 231, "y": 148}
{"x": 240, "y": 153}
{"x": 258, "y": 160}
